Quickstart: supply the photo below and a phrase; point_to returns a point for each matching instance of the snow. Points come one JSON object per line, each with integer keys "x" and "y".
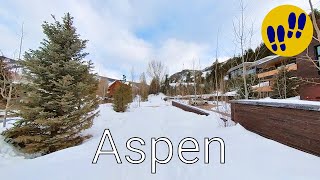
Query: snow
{"x": 248, "y": 156}
{"x": 214, "y": 94}
{"x": 231, "y": 93}
{"x": 266, "y": 59}
{"x": 263, "y": 84}
{"x": 205, "y": 73}
{"x": 294, "y": 100}
{"x": 182, "y": 84}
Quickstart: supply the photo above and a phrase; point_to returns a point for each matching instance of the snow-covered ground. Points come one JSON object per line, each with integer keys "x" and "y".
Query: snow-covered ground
{"x": 248, "y": 156}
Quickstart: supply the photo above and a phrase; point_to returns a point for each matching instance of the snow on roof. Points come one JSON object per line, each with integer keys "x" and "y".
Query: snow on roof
{"x": 263, "y": 84}
{"x": 265, "y": 60}
{"x": 256, "y": 63}
{"x": 181, "y": 84}
{"x": 240, "y": 66}
{"x": 205, "y": 73}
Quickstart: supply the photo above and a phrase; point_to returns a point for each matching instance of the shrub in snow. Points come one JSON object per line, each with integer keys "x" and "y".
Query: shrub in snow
{"x": 60, "y": 97}
{"x": 143, "y": 88}
{"x": 122, "y": 97}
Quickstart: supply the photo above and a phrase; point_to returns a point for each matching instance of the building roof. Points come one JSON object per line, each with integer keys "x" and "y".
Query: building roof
{"x": 259, "y": 63}
{"x": 240, "y": 66}
{"x": 269, "y": 59}
{"x": 107, "y": 78}
{"x": 265, "y": 59}
{"x": 114, "y": 83}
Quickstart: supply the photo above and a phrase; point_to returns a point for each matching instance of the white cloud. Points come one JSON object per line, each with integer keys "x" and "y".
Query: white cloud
{"x": 188, "y": 35}
{"x": 179, "y": 54}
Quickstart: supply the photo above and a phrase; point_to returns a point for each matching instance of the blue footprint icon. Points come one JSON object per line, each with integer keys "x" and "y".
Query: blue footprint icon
{"x": 272, "y": 38}
{"x": 292, "y": 20}
{"x": 301, "y": 24}
{"x": 281, "y": 35}
{"x": 292, "y": 24}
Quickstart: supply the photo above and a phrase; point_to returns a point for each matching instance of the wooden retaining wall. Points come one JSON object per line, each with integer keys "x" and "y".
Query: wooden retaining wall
{"x": 189, "y": 108}
{"x": 297, "y": 126}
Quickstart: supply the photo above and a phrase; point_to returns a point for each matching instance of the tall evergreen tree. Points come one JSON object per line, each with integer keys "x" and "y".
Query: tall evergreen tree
{"x": 60, "y": 97}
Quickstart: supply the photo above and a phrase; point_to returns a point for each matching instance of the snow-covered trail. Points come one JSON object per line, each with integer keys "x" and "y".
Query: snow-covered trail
{"x": 248, "y": 156}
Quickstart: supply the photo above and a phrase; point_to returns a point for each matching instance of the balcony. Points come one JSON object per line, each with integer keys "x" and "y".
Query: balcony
{"x": 263, "y": 89}
{"x": 290, "y": 67}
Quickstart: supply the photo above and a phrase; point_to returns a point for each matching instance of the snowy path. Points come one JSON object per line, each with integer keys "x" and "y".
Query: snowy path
{"x": 248, "y": 156}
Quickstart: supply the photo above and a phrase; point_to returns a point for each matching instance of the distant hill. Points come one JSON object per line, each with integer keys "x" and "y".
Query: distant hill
{"x": 186, "y": 75}
{"x": 208, "y": 73}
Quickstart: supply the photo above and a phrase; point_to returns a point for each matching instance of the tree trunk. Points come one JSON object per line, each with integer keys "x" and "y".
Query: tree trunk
{"x": 7, "y": 106}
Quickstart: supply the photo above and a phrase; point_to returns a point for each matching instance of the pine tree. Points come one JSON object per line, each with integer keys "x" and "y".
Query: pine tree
{"x": 165, "y": 85}
{"x": 122, "y": 97}
{"x": 60, "y": 97}
{"x": 154, "y": 86}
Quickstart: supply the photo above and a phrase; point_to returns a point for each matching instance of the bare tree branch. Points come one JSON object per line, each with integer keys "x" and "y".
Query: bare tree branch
{"x": 314, "y": 21}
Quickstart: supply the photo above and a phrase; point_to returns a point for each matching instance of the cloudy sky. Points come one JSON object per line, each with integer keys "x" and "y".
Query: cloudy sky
{"x": 128, "y": 33}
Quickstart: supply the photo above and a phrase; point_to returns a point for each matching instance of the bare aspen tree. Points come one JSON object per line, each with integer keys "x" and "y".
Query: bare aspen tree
{"x": 132, "y": 72}
{"x": 143, "y": 88}
{"x": 6, "y": 89}
{"x": 241, "y": 37}
{"x": 314, "y": 22}
{"x": 317, "y": 29}
{"x": 156, "y": 70}
{"x": 315, "y": 62}
{"x": 103, "y": 87}
{"x": 285, "y": 80}
{"x": 21, "y": 39}
{"x": 216, "y": 72}
{"x": 9, "y": 77}
{"x": 194, "y": 76}
{"x": 199, "y": 79}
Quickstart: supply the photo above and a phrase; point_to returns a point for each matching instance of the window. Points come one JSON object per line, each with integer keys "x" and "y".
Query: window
{"x": 318, "y": 58}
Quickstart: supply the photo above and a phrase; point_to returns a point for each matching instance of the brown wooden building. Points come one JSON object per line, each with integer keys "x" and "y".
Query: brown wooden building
{"x": 268, "y": 68}
{"x": 112, "y": 88}
{"x": 103, "y": 86}
{"x": 309, "y": 71}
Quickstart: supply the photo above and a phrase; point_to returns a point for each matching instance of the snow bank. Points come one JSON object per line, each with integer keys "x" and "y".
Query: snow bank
{"x": 8, "y": 154}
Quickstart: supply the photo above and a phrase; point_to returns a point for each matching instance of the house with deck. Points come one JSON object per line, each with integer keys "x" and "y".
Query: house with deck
{"x": 267, "y": 70}
{"x": 308, "y": 71}
{"x": 305, "y": 67}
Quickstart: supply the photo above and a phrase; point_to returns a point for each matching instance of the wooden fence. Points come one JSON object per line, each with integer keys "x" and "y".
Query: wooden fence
{"x": 189, "y": 108}
{"x": 297, "y": 126}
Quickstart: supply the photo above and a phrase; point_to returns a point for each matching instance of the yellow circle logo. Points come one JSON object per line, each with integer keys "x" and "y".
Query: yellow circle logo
{"x": 287, "y": 30}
